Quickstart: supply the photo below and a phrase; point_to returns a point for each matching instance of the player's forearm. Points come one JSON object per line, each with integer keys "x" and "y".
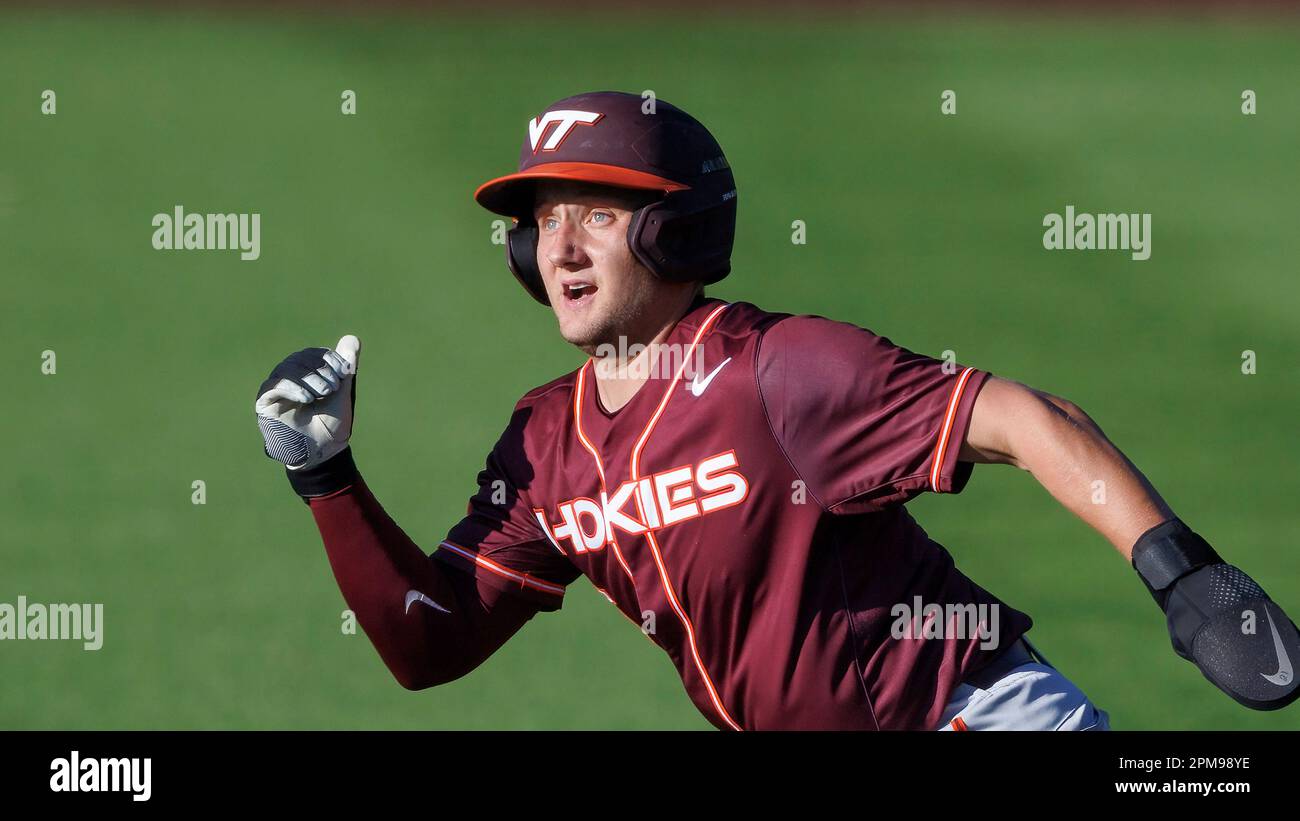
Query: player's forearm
{"x": 1068, "y": 454}
{"x": 382, "y": 574}
{"x": 1203, "y": 597}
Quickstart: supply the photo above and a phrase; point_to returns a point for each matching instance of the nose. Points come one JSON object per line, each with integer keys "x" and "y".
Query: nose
{"x": 563, "y": 249}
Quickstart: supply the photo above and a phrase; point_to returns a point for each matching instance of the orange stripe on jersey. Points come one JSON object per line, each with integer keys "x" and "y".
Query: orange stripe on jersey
{"x": 579, "y": 392}
{"x": 959, "y": 724}
{"x": 523, "y": 579}
{"x": 945, "y": 432}
{"x": 650, "y": 537}
{"x": 663, "y": 403}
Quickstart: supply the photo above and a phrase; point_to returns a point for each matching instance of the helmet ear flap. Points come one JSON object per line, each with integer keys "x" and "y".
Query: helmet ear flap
{"x": 680, "y": 240}
{"x": 521, "y": 256}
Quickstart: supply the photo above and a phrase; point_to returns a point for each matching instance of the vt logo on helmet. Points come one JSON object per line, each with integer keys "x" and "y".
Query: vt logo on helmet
{"x": 604, "y": 138}
{"x": 564, "y": 122}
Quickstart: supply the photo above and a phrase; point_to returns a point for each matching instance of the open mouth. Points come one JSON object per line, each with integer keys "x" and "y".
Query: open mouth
{"x": 577, "y": 292}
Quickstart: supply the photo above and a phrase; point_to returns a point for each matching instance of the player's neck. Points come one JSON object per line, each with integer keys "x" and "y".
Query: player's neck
{"x": 619, "y": 377}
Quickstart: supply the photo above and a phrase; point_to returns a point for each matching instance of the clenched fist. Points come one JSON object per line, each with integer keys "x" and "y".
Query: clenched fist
{"x": 304, "y": 407}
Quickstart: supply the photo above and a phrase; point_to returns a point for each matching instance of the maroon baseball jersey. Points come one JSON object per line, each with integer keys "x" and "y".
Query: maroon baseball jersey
{"x": 749, "y": 508}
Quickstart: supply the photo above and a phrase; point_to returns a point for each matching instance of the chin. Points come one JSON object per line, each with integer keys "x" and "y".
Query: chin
{"x": 580, "y": 332}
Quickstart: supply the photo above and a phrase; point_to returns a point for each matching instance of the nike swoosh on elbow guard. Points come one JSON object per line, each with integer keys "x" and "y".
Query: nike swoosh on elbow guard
{"x": 1283, "y": 675}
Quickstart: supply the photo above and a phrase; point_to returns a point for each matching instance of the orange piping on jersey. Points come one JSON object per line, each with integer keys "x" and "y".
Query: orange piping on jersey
{"x": 941, "y": 447}
{"x": 524, "y": 579}
{"x": 578, "y": 393}
{"x": 959, "y": 725}
{"x": 577, "y": 420}
{"x": 663, "y": 403}
{"x": 654, "y": 544}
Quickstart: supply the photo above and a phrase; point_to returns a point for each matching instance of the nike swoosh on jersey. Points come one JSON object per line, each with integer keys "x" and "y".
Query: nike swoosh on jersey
{"x": 697, "y": 387}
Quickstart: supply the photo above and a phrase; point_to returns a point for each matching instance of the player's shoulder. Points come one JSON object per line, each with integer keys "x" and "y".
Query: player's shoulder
{"x": 786, "y": 334}
{"x": 815, "y": 356}
{"x": 558, "y": 389}
{"x": 730, "y": 329}
{"x": 731, "y": 320}
{"x": 538, "y": 418}
{"x": 551, "y": 399}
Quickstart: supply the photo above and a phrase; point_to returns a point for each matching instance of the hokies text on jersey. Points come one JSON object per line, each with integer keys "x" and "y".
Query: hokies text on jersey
{"x": 661, "y": 500}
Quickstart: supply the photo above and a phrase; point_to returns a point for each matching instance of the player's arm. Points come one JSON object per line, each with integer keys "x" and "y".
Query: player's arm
{"x": 1218, "y": 617}
{"x": 430, "y": 623}
{"x": 1068, "y": 454}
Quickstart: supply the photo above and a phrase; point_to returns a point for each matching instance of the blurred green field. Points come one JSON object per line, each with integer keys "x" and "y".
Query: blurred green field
{"x": 922, "y": 227}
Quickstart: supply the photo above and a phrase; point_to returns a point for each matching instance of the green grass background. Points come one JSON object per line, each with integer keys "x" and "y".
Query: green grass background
{"x": 923, "y": 227}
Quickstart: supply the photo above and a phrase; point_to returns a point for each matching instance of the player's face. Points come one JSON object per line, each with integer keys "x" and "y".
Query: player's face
{"x": 597, "y": 287}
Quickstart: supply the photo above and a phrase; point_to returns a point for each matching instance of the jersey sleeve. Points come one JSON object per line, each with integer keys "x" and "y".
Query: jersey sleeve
{"x": 864, "y": 423}
{"x": 500, "y": 540}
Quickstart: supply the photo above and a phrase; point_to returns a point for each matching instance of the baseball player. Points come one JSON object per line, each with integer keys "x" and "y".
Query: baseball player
{"x": 734, "y": 481}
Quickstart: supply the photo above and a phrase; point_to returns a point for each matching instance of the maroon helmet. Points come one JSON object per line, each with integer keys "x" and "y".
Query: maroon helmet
{"x": 604, "y": 137}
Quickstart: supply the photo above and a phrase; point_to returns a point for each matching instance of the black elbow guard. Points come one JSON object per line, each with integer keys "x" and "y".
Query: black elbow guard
{"x": 1219, "y": 618}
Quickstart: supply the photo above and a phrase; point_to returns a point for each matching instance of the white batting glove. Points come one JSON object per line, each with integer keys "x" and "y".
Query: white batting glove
{"x": 304, "y": 407}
